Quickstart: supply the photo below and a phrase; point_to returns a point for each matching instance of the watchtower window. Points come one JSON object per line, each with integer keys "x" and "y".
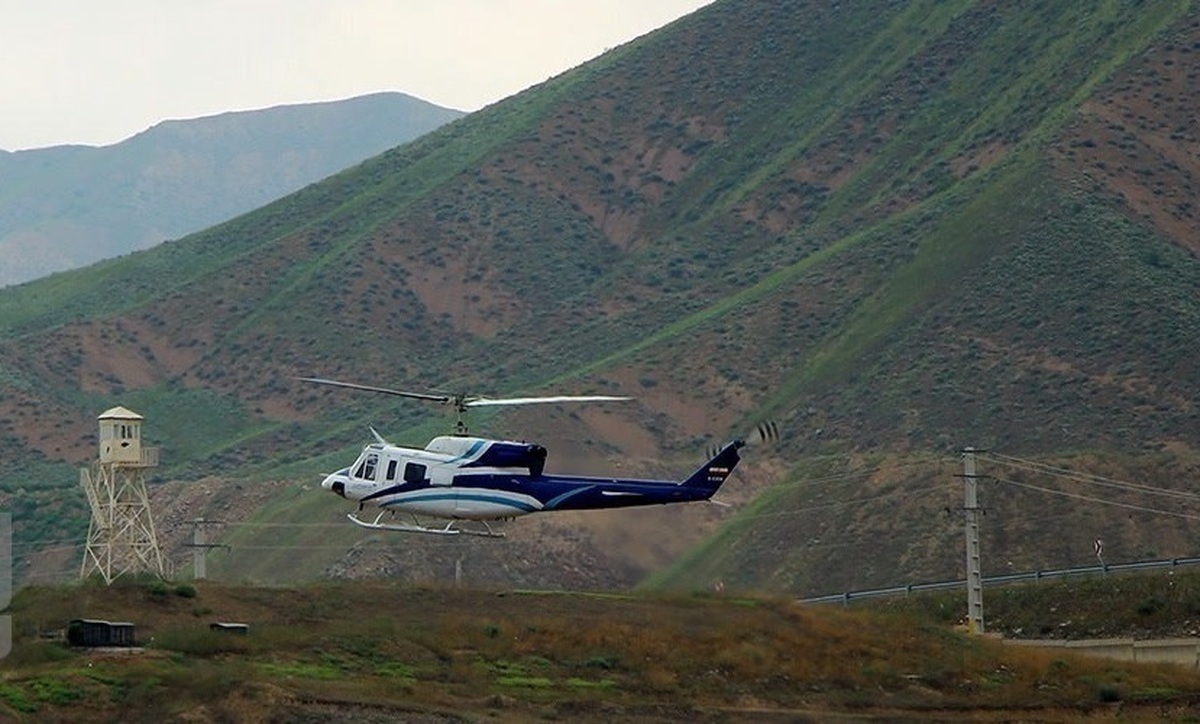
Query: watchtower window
{"x": 366, "y": 470}
{"x": 119, "y": 431}
{"x": 414, "y": 473}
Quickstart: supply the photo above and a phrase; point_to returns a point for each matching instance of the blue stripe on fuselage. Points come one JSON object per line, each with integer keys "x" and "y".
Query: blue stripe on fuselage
{"x": 394, "y": 490}
{"x": 579, "y": 493}
{"x": 470, "y": 451}
{"x": 463, "y": 495}
{"x": 554, "y": 503}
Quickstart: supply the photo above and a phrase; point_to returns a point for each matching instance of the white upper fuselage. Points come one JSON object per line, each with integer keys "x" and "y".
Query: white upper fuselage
{"x": 423, "y": 481}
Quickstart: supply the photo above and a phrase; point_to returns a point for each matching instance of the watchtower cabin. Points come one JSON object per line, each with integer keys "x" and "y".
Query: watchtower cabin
{"x": 121, "y": 537}
{"x": 121, "y": 439}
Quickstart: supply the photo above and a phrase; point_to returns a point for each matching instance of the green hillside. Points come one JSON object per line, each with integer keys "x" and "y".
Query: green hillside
{"x": 895, "y": 228}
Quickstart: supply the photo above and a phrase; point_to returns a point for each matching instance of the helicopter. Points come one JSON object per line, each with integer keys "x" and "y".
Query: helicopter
{"x": 460, "y": 477}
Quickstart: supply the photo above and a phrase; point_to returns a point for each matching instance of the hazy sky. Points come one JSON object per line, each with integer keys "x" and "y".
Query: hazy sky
{"x": 99, "y": 71}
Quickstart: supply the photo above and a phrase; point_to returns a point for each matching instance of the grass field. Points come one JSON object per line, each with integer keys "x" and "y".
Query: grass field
{"x": 377, "y": 651}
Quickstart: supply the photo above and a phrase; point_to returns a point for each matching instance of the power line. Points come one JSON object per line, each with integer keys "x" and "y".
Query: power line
{"x": 1034, "y": 466}
{"x": 1093, "y": 499}
{"x": 839, "y": 504}
{"x": 855, "y": 475}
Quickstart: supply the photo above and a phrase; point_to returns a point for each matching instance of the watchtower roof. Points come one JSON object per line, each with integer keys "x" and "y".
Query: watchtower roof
{"x": 120, "y": 413}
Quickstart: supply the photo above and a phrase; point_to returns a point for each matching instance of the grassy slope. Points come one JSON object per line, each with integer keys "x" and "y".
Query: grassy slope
{"x": 905, "y": 350}
{"x": 371, "y": 650}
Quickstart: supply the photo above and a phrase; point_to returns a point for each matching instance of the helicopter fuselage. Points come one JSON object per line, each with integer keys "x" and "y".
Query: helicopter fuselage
{"x": 477, "y": 479}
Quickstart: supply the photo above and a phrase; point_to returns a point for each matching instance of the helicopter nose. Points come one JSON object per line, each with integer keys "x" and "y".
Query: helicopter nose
{"x": 335, "y": 483}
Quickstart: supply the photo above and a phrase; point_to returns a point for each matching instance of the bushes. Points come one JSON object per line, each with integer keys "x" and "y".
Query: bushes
{"x": 201, "y": 642}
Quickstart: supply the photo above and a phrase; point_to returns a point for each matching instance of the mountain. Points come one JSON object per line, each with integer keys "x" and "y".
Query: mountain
{"x": 895, "y": 228}
{"x": 67, "y": 206}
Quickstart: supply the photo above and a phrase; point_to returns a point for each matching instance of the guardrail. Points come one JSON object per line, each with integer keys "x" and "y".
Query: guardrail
{"x": 1180, "y": 651}
{"x": 1006, "y": 579}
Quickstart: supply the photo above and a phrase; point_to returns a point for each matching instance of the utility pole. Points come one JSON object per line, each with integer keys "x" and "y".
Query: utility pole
{"x": 200, "y": 547}
{"x": 974, "y": 565}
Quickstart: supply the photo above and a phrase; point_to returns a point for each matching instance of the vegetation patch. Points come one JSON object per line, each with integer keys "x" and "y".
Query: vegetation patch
{"x": 302, "y": 670}
{"x": 622, "y": 653}
{"x": 17, "y": 698}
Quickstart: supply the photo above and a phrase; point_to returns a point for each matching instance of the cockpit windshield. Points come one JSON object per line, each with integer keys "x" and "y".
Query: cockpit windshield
{"x": 366, "y": 466}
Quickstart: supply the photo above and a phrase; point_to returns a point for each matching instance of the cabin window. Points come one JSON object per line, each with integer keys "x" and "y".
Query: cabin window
{"x": 391, "y": 471}
{"x": 414, "y": 473}
{"x": 366, "y": 470}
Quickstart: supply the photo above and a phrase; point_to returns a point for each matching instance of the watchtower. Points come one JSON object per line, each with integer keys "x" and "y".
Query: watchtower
{"x": 121, "y": 537}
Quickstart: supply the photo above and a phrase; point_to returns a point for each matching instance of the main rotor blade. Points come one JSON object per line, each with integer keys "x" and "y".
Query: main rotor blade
{"x": 384, "y": 390}
{"x": 465, "y": 401}
{"x": 482, "y": 401}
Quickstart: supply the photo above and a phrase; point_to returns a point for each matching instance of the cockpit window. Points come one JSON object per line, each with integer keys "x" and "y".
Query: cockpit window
{"x": 366, "y": 469}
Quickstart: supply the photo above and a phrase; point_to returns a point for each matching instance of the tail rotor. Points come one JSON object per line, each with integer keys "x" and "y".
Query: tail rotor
{"x": 763, "y": 433}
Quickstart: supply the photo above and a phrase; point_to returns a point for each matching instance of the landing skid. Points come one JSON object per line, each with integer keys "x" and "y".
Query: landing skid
{"x": 416, "y": 527}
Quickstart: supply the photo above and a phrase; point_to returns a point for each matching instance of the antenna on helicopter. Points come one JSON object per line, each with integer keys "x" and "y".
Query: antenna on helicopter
{"x": 462, "y": 401}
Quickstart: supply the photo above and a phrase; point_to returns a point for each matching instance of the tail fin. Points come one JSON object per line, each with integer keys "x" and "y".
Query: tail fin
{"x": 712, "y": 474}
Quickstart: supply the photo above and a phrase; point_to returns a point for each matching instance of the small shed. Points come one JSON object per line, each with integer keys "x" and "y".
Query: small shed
{"x": 94, "y": 632}
{"x": 230, "y": 627}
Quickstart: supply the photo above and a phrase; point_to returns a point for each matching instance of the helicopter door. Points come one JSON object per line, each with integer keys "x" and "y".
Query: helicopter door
{"x": 363, "y": 479}
{"x": 440, "y": 475}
